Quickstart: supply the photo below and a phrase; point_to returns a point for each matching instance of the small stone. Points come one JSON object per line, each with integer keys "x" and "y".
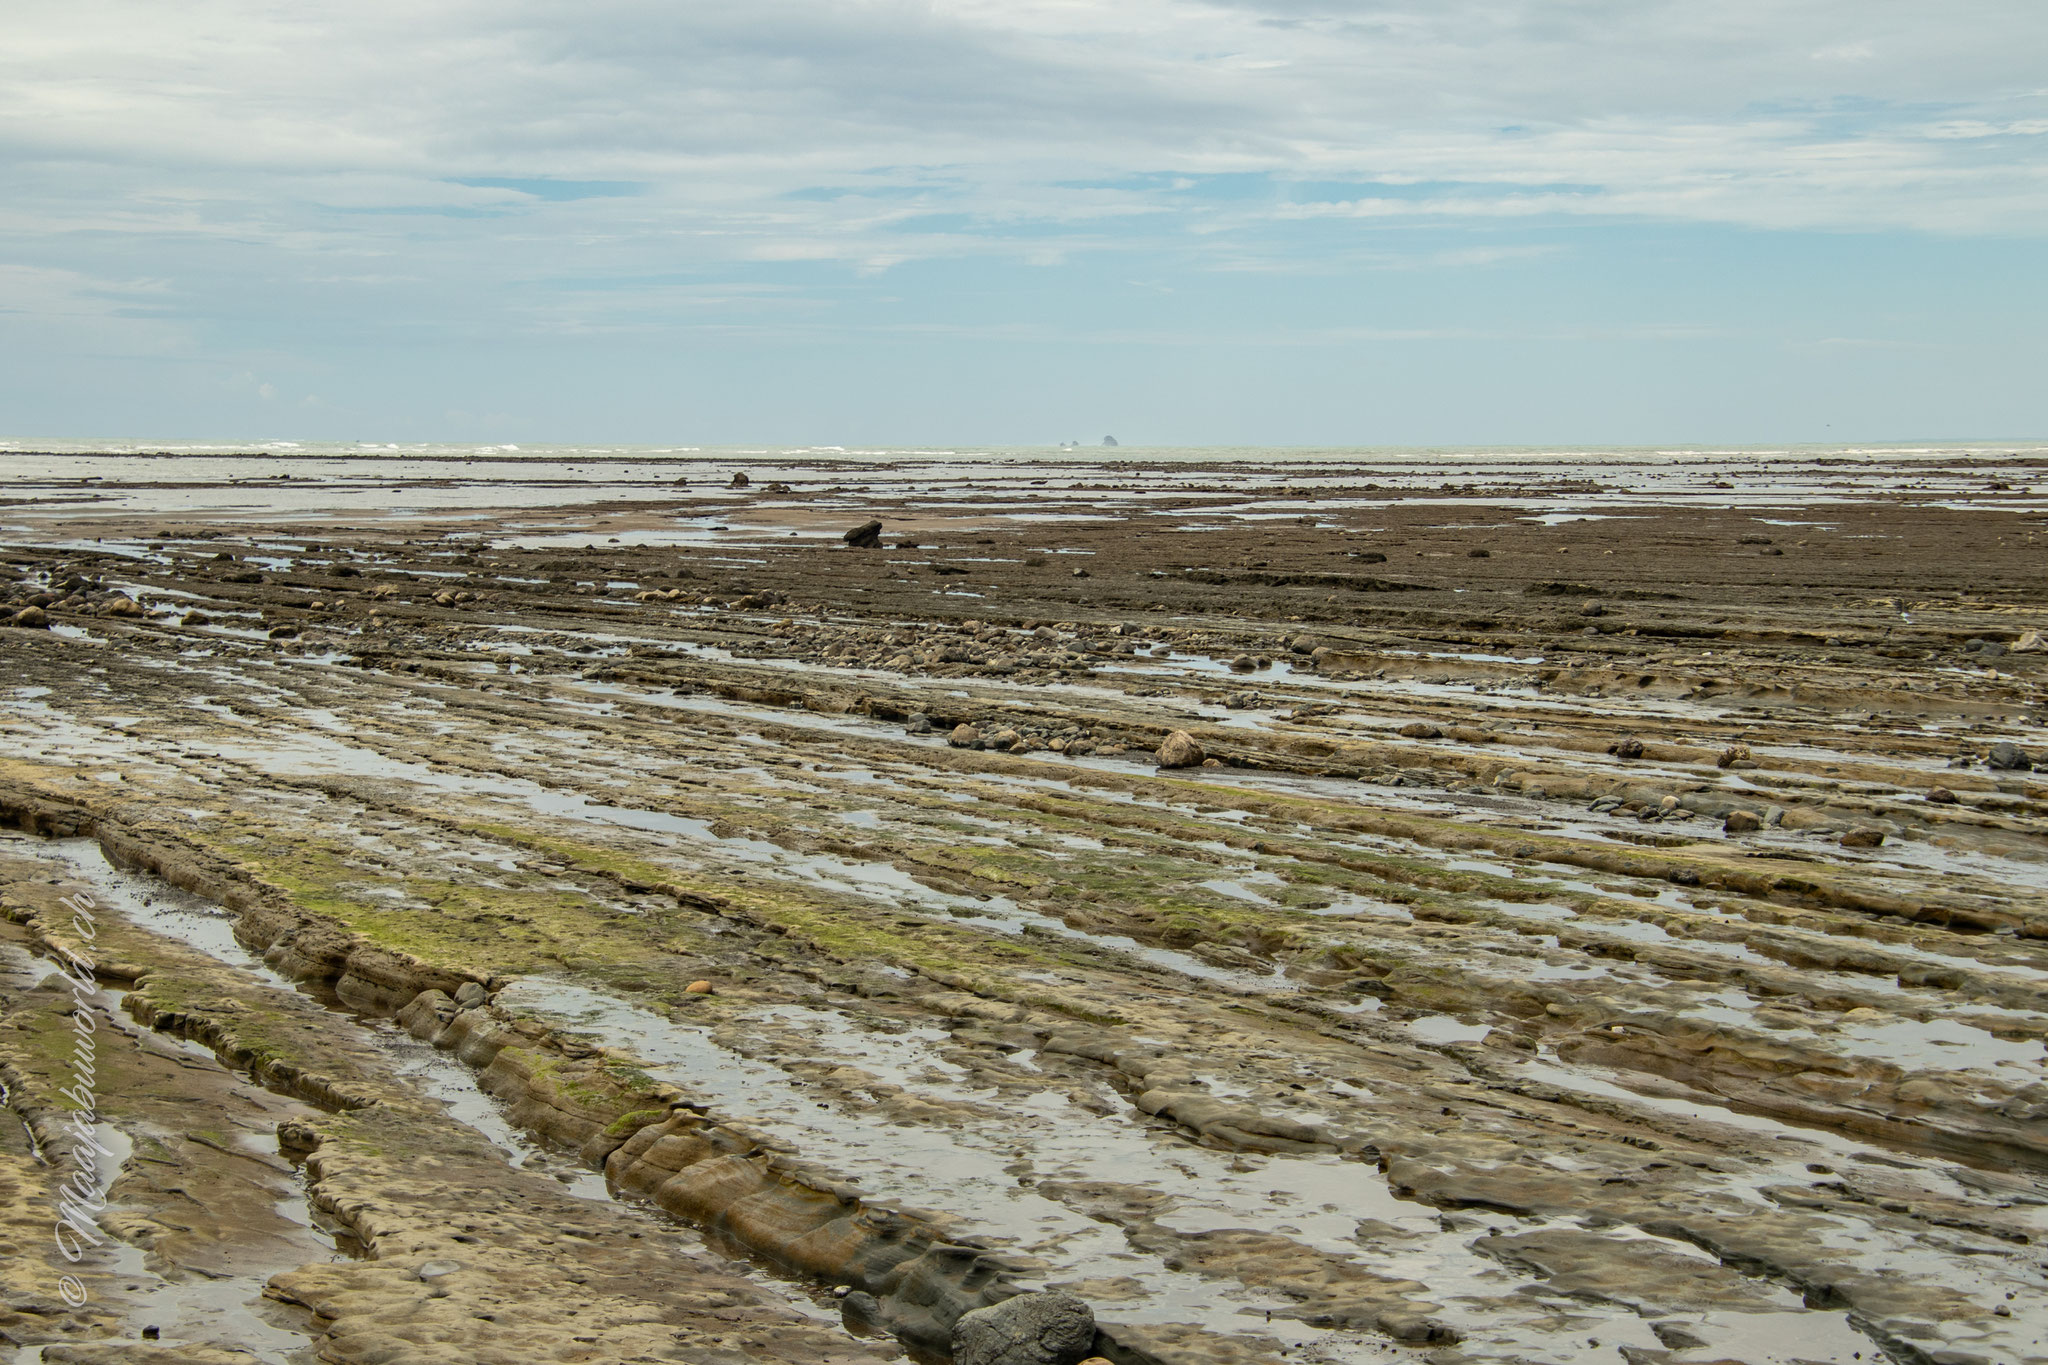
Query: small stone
{"x": 2031, "y": 642}
{"x": 469, "y": 995}
{"x": 698, "y": 988}
{"x": 122, "y": 606}
{"x": 1942, "y": 796}
{"x": 964, "y": 736}
{"x": 1179, "y": 750}
{"x": 919, "y": 724}
{"x": 1863, "y": 838}
{"x": 1732, "y": 755}
{"x": 1081, "y": 573}
{"x": 1630, "y": 747}
{"x": 1742, "y": 822}
{"x": 1774, "y": 816}
{"x": 1420, "y": 729}
{"x": 1053, "y": 1328}
{"x": 1668, "y": 804}
{"x": 1477, "y": 553}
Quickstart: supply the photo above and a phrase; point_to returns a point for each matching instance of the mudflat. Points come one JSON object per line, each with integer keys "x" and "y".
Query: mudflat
{"x": 1503, "y": 907}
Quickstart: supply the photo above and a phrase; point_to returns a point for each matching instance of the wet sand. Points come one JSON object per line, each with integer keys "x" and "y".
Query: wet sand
{"x": 1598, "y": 931}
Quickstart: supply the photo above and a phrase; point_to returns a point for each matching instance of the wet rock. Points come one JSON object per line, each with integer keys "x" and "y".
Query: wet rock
{"x": 866, "y": 536}
{"x": 2007, "y": 757}
{"x": 1774, "y": 816}
{"x": 1631, "y": 747}
{"x": 32, "y": 618}
{"x": 739, "y": 480}
{"x": 964, "y": 736}
{"x": 918, "y": 724}
{"x": 1420, "y": 729}
{"x": 1941, "y": 796}
{"x": 1179, "y": 750}
{"x": 1742, "y": 822}
{"x": 1302, "y": 644}
{"x": 1863, "y": 838}
{"x": 469, "y": 995}
{"x": 1005, "y": 739}
{"x": 122, "y": 606}
{"x": 1243, "y": 663}
{"x": 1052, "y": 1328}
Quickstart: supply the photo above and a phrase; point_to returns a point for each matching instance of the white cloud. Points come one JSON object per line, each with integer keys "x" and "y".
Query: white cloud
{"x": 250, "y": 149}
{"x": 45, "y": 309}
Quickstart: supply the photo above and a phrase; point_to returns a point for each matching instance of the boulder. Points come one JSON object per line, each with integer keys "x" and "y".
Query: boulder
{"x": 739, "y": 480}
{"x": 1052, "y": 1328}
{"x": 33, "y": 618}
{"x": 1863, "y": 838}
{"x": 2031, "y": 642}
{"x": 469, "y": 995}
{"x": 1179, "y": 750}
{"x": 964, "y": 736}
{"x": 1005, "y": 738}
{"x": 1630, "y": 747}
{"x": 919, "y": 724}
{"x": 2008, "y": 757}
{"x": 1742, "y": 822}
{"x": 122, "y": 606}
{"x": 1941, "y": 796}
{"x": 866, "y": 536}
{"x": 1420, "y": 729}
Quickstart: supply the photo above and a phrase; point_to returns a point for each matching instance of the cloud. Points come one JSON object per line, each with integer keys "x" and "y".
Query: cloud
{"x": 53, "y": 309}
{"x": 478, "y": 166}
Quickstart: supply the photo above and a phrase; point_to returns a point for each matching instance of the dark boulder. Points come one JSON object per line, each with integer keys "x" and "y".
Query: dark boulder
{"x": 2007, "y": 757}
{"x": 1053, "y": 1328}
{"x": 866, "y": 536}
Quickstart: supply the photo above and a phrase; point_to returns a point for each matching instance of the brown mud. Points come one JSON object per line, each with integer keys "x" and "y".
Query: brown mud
{"x": 658, "y": 929}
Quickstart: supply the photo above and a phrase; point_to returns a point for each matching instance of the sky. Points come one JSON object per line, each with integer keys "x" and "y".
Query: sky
{"x": 1233, "y": 222}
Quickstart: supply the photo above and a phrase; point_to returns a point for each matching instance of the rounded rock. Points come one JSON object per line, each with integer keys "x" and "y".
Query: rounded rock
{"x": 1052, "y": 1328}
{"x": 1180, "y": 750}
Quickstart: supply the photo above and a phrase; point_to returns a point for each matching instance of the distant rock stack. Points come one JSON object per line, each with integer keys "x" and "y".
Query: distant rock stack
{"x": 1109, "y": 440}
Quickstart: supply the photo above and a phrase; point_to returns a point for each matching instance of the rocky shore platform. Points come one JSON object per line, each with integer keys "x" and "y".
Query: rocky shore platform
{"x": 775, "y": 911}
